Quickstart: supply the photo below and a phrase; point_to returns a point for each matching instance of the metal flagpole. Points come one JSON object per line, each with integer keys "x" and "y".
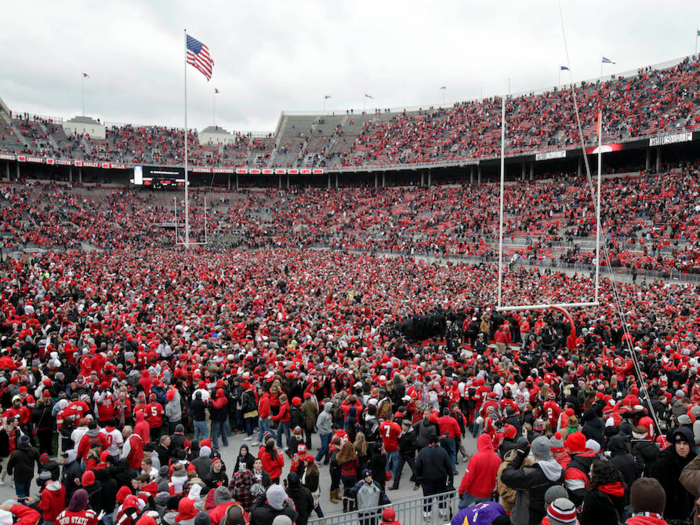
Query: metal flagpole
{"x": 597, "y": 211}
{"x": 503, "y": 183}
{"x": 82, "y": 85}
{"x": 187, "y": 206}
{"x": 214, "y": 97}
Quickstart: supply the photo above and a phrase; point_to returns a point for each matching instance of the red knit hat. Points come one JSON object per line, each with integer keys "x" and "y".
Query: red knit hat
{"x": 576, "y": 442}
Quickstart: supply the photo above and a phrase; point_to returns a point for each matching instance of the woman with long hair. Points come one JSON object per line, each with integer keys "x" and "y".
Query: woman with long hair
{"x": 362, "y": 450}
{"x": 311, "y": 481}
{"x": 604, "y": 503}
{"x": 347, "y": 459}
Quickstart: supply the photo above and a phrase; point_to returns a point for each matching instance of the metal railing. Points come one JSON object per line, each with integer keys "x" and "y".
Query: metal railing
{"x": 437, "y": 509}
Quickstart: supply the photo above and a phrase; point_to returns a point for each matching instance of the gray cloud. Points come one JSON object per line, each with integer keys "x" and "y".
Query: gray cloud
{"x": 280, "y": 55}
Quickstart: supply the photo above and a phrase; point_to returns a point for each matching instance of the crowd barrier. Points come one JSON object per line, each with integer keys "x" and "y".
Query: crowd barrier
{"x": 440, "y": 510}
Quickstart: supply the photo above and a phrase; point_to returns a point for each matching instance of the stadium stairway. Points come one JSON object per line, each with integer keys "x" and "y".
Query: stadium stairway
{"x": 19, "y": 135}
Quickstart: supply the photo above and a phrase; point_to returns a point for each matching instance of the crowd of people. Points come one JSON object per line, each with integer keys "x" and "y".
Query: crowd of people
{"x": 650, "y": 221}
{"x": 652, "y": 101}
{"x": 143, "y": 361}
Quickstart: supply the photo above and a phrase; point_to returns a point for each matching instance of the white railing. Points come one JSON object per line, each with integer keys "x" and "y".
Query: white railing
{"x": 440, "y": 509}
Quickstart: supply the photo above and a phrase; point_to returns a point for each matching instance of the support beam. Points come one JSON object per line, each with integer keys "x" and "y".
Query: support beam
{"x": 376, "y": 180}
{"x": 80, "y": 175}
{"x": 522, "y": 173}
{"x": 471, "y": 175}
{"x": 237, "y": 182}
{"x": 658, "y": 160}
{"x": 280, "y": 182}
{"x": 580, "y": 167}
{"x": 430, "y": 178}
{"x": 228, "y": 181}
{"x": 422, "y": 178}
{"x": 478, "y": 173}
{"x": 7, "y": 170}
{"x": 648, "y": 159}
{"x": 287, "y": 180}
{"x": 384, "y": 180}
{"x": 532, "y": 170}
{"x": 337, "y": 183}
{"x": 329, "y": 181}
{"x": 17, "y": 169}
{"x": 70, "y": 174}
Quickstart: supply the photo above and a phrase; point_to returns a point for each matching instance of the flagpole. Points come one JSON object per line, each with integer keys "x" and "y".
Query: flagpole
{"x": 82, "y": 85}
{"x": 214, "y": 97}
{"x": 503, "y": 179}
{"x": 187, "y": 207}
{"x": 597, "y": 207}
{"x": 324, "y": 104}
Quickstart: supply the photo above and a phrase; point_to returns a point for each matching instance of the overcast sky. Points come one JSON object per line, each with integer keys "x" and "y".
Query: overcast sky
{"x": 277, "y": 55}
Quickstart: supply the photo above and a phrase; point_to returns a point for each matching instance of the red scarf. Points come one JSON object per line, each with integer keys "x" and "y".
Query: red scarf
{"x": 613, "y": 489}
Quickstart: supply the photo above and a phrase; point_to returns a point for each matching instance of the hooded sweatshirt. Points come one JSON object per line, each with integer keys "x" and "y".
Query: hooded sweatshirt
{"x": 480, "y": 477}
{"x": 53, "y": 500}
{"x": 325, "y": 420}
{"x": 92, "y": 435}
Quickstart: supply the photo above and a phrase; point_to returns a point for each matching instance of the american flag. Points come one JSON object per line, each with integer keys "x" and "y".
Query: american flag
{"x": 198, "y": 56}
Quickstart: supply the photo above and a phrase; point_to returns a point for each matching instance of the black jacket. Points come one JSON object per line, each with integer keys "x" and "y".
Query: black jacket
{"x": 109, "y": 490}
{"x": 22, "y": 461}
{"x": 198, "y": 410}
{"x": 434, "y": 466}
{"x": 645, "y": 452}
{"x": 601, "y": 509}
{"x": 407, "y": 443}
{"x": 581, "y": 461}
{"x": 425, "y": 430}
{"x": 533, "y": 479}
{"x": 593, "y": 429}
{"x": 262, "y": 514}
{"x": 71, "y": 472}
{"x": 177, "y": 441}
{"x": 667, "y": 469}
{"x": 302, "y": 498}
{"x": 625, "y": 462}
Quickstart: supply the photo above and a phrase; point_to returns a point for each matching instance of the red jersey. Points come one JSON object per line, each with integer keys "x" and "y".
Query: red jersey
{"x": 390, "y": 432}
{"x": 82, "y": 517}
{"x": 552, "y": 410}
{"x": 154, "y": 414}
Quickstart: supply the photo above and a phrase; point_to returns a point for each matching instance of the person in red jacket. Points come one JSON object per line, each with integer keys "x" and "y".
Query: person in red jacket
{"x": 272, "y": 460}
{"x": 449, "y": 433}
{"x": 479, "y": 481}
{"x": 93, "y": 435}
{"x": 141, "y": 427}
{"x": 26, "y": 515}
{"x": 104, "y": 400}
{"x": 154, "y": 415}
{"x": 552, "y": 409}
{"x": 264, "y": 413}
{"x": 132, "y": 450}
{"x": 282, "y": 419}
{"x": 18, "y": 409}
{"x": 52, "y": 499}
{"x": 390, "y": 433}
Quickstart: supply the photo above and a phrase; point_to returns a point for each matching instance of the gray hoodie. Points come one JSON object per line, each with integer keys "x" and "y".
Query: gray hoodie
{"x": 324, "y": 424}
{"x": 173, "y": 410}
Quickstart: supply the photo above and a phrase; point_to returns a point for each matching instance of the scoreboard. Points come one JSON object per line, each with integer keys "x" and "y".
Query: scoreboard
{"x": 159, "y": 177}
